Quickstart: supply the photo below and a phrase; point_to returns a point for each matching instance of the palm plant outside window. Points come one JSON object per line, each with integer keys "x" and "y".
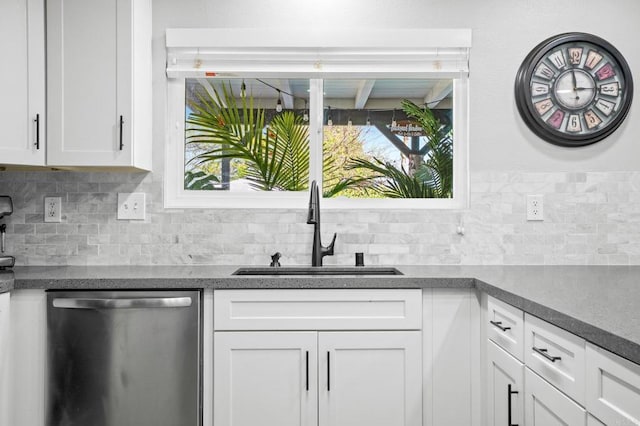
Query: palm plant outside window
{"x": 395, "y": 141}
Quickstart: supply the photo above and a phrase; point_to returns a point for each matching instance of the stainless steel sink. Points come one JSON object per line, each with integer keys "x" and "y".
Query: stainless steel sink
{"x": 318, "y": 270}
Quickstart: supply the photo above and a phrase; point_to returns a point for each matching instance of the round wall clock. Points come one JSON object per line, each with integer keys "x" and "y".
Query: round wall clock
{"x": 574, "y": 89}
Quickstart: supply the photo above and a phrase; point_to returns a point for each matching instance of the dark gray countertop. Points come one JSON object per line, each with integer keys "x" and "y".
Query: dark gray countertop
{"x": 598, "y": 303}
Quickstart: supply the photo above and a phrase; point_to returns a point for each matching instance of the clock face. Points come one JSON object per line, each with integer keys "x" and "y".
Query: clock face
{"x": 574, "y": 89}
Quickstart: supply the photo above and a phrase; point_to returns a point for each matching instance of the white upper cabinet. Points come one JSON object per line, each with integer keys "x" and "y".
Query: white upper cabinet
{"x": 22, "y": 82}
{"x": 99, "y": 83}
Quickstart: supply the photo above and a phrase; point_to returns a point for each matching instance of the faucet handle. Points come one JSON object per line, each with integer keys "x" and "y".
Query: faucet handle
{"x": 328, "y": 251}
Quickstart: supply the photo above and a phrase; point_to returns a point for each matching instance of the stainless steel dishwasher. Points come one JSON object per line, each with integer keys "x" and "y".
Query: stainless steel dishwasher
{"x": 124, "y": 358}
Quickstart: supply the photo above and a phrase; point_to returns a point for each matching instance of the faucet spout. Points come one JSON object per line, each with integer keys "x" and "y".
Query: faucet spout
{"x": 313, "y": 218}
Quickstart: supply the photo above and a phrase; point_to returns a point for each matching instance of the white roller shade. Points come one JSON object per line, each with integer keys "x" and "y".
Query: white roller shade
{"x": 441, "y": 53}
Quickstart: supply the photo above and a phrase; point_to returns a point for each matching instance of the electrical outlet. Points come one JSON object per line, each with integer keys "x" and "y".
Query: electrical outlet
{"x": 535, "y": 207}
{"x": 52, "y": 209}
{"x": 131, "y": 206}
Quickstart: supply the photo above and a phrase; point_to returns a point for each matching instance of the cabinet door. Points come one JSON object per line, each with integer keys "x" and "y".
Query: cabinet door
{"x": 27, "y": 358}
{"x": 505, "y": 380}
{"x": 88, "y": 64}
{"x": 547, "y": 406}
{"x": 592, "y": 421}
{"x": 370, "y": 378}
{"x": 265, "y": 378}
{"x": 613, "y": 387}
{"x": 22, "y": 82}
{"x": 5, "y": 336}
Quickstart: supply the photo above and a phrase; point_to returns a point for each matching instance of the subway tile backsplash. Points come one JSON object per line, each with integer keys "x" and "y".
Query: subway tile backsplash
{"x": 589, "y": 218}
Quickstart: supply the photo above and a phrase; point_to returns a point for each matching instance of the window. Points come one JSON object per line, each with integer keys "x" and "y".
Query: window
{"x": 388, "y": 138}
{"x": 374, "y": 127}
{"x": 246, "y": 135}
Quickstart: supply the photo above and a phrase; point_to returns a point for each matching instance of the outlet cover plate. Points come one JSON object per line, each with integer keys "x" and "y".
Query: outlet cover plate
{"x": 535, "y": 207}
{"x": 131, "y": 206}
{"x": 53, "y": 209}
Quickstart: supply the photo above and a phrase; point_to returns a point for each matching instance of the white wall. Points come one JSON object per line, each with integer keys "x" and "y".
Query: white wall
{"x": 591, "y": 194}
{"x": 504, "y": 31}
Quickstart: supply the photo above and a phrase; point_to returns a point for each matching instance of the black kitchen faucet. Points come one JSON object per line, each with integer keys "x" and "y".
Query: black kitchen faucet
{"x": 313, "y": 218}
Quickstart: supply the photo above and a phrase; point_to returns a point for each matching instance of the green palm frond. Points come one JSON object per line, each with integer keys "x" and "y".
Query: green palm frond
{"x": 276, "y": 156}
{"x": 439, "y": 163}
{"x": 391, "y": 182}
{"x": 199, "y": 180}
{"x": 432, "y": 178}
{"x": 293, "y": 150}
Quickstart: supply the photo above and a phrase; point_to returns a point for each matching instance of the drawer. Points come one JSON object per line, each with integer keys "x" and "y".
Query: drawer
{"x": 613, "y": 387}
{"x": 592, "y": 421}
{"x": 505, "y": 327}
{"x": 384, "y": 309}
{"x": 547, "y": 406}
{"x": 556, "y": 355}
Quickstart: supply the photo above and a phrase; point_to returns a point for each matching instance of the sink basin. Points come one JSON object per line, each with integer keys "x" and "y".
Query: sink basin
{"x": 318, "y": 270}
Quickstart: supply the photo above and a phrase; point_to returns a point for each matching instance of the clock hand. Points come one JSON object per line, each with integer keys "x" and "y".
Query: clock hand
{"x": 573, "y": 79}
{"x": 575, "y": 83}
{"x": 574, "y": 90}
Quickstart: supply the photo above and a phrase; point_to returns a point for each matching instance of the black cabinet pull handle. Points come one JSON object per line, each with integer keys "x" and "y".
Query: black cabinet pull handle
{"x": 121, "y": 127}
{"x": 499, "y": 325}
{"x": 37, "y": 121}
{"x": 307, "y": 371}
{"x": 328, "y": 371}
{"x": 544, "y": 353}
{"x": 509, "y": 393}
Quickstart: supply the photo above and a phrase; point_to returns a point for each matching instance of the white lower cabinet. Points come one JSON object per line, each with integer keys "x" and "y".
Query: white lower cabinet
{"x": 592, "y": 421}
{"x": 317, "y": 357}
{"x": 548, "y": 388}
{"x": 5, "y": 336}
{"x": 317, "y": 378}
{"x": 265, "y": 378}
{"x": 613, "y": 387}
{"x": 27, "y": 359}
{"x": 547, "y": 406}
{"x": 505, "y": 387}
{"x": 370, "y": 378}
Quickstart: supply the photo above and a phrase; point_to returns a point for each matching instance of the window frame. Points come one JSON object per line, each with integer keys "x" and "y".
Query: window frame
{"x": 370, "y": 58}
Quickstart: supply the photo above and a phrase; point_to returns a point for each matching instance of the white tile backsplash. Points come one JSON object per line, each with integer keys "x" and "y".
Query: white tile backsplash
{"x": 590, "y": 218}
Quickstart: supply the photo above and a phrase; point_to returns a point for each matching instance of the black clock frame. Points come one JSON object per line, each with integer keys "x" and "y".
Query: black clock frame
{"x": 523, "y": 91}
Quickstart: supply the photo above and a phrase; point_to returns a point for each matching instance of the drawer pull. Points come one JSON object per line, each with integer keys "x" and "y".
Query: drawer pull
{"x": 544, "y": 353}
{"x": 509, "y": 393}
{"x": 499, "y": 325}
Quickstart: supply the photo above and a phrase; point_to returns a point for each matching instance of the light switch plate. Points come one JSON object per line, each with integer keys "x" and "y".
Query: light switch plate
{"x": 131, "y": 206}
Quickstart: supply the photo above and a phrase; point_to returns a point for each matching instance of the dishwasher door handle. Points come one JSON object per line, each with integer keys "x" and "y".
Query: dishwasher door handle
{"x": 147, "y": 302}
